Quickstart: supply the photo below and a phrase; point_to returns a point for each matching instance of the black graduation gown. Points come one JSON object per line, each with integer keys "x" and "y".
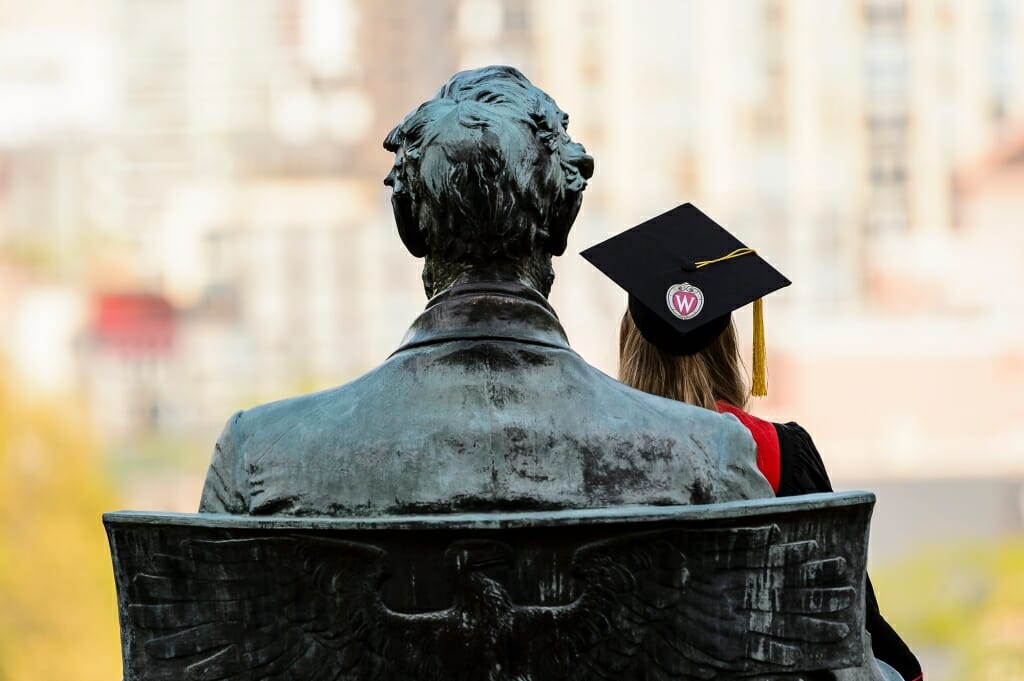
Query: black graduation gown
{"x": 801, "y": 471}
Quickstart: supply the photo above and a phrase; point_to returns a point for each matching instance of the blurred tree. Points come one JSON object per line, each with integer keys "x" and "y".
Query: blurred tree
{"x": 965, "y": 602}
{"x": 58, "y": 615}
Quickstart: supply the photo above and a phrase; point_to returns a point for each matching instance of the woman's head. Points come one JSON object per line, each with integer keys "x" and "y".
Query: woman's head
{"x": 702, "y": 378}
{"x": 685, "y": 275}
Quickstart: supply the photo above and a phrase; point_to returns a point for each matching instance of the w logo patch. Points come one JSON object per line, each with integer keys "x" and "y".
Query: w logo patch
{"x": 684, "y": 301}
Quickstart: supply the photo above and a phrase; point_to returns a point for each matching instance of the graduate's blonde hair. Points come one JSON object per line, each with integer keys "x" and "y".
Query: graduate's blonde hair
{"x": 711, "y": 375}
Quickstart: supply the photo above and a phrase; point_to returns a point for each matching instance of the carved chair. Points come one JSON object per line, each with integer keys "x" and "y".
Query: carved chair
{"x": 770, "y": 589}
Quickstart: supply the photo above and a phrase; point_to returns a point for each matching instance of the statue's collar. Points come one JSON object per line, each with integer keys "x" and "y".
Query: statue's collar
{"x": 500, "y": 310}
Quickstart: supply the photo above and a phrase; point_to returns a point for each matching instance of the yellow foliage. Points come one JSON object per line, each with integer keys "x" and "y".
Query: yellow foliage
{"x": 58, "y": 614}
{"x": 967, "y": 600}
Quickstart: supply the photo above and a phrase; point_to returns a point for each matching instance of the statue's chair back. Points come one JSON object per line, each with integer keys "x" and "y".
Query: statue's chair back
{"x": 769, "y": 589}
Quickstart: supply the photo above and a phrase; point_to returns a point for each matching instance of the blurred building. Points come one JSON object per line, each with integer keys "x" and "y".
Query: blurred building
{"x": 130, "y": 347}
{"x": 226, "y": 157}
{"x": 809, "y": 126}
{"x": 927, "y": 385}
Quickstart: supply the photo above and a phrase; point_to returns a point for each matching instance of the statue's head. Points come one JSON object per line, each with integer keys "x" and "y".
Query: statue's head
{"x": 486, "y": 180}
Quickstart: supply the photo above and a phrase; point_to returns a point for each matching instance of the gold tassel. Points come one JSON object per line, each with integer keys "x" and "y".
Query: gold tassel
{"x": 760, "y": 377}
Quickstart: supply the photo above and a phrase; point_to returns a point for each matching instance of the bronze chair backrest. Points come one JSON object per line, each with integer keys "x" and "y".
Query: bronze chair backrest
{"x": 755, "y": 590}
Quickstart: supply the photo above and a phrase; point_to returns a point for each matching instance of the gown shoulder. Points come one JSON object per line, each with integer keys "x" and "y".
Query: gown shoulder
{"x": 801, "y": 470}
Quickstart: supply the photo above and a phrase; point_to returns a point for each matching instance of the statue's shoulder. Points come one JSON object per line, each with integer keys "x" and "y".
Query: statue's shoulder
{"x": 309, "y": 411}
{"x": 652, "y": 413}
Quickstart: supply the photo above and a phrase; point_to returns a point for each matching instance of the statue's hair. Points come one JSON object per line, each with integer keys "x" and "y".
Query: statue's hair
{"x": 488, "y": 170}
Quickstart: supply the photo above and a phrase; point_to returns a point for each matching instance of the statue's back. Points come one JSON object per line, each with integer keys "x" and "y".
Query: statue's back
{"x": 455, "y": 421}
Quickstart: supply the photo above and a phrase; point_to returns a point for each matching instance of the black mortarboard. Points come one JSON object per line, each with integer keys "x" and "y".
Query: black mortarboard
{"x": 685, "y": 274}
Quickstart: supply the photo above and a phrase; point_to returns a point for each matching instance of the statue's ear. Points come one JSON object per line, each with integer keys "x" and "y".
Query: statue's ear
{"x": 561, "y": 222}
{"x": 408, "y": 224}
{"x": 577, "y": 167}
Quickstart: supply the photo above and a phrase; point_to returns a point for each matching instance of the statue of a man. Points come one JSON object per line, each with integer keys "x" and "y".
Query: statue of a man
{"x": 484, "y": 405}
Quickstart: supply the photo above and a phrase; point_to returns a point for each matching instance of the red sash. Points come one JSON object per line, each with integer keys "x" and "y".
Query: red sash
{"x": 765, "y": 437}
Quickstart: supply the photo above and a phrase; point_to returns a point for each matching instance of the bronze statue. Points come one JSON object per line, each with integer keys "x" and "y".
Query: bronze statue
{"x": 483, "y": 405}
{"x": 485, "y": 505}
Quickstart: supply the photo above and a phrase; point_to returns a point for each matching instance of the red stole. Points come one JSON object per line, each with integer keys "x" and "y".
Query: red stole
{"x": 765, "y": 437}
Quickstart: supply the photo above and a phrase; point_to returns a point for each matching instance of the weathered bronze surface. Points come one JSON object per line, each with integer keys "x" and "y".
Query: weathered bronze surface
{"x": 485, "y": 505}
{"x": 484, "y": 405}
{"x": 759, "y": 590}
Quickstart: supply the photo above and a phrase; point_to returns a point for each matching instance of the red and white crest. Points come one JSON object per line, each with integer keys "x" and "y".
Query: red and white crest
{"x": 685, "y": 301}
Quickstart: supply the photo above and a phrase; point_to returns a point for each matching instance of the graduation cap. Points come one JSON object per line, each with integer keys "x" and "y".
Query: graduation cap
{"x": 685, "y": 274}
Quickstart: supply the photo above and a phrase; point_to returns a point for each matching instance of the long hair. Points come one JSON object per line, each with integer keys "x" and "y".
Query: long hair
{"x": 711, "y": 375}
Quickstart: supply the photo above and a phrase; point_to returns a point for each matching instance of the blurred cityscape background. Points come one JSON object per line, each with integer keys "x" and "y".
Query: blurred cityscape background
{"x": 192, "y": 221}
